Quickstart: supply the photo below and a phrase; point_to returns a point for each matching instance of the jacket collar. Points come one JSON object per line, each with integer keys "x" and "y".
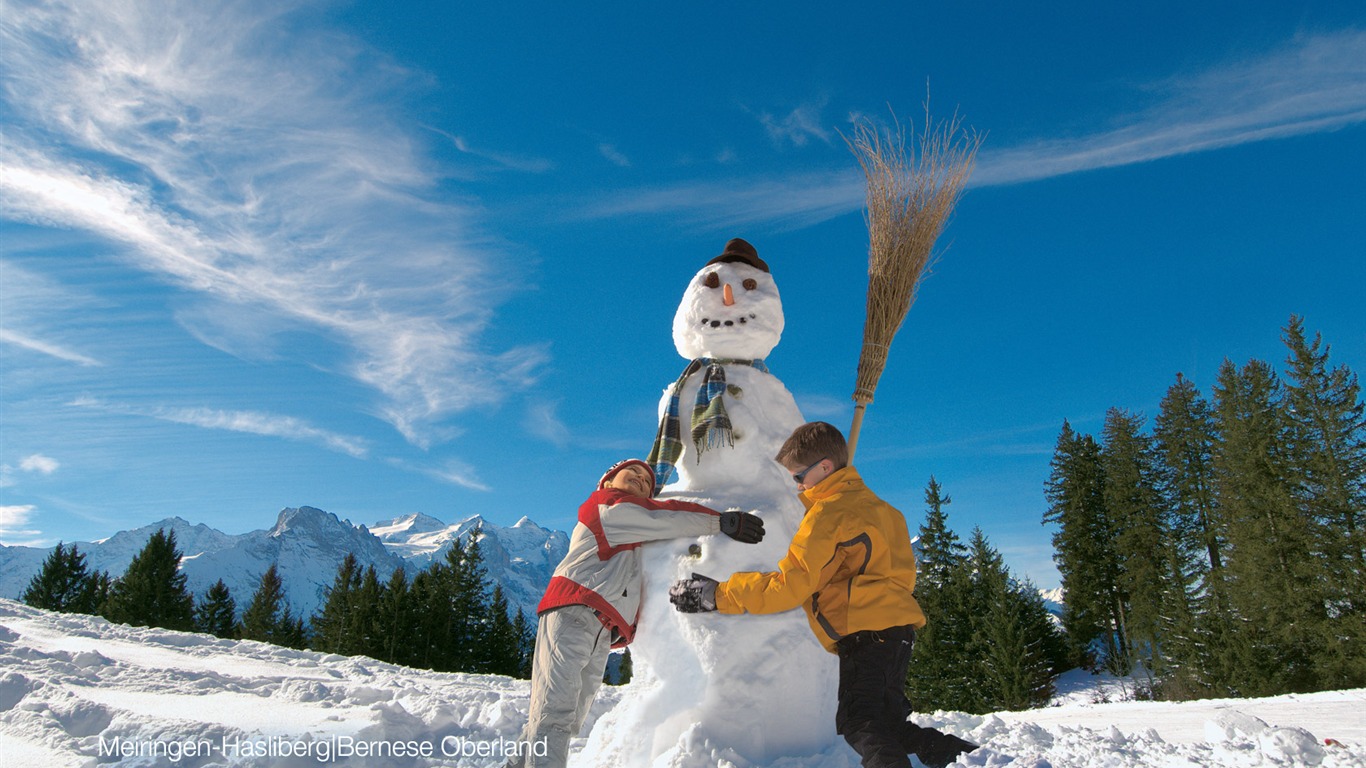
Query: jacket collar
{"x": 839, "y": 481}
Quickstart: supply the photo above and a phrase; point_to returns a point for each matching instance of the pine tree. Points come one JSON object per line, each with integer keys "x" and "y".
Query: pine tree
{"x": 502, "y": 647}
{"x": 1326, "y": 455}
{"x": 1276, "y": 599}
{"x": 940, "y": 549}
{"x": 1183, "y": 437}
{"x": 365, "y": 615}
{"x": 1014, "y": 642}
{"x": 332, "y": 623}
{"x": 152, "y": 591}
{"x": 940, "y": 673}
{"x": 466, "y": 590}
{"x": 430, "y": 603}
{"x": 268, "y": 617}
{"x": 525, "y": 632}
{"x": 1084, "y": 551}
{"x": 1133, "y": 503}
{"x": 64, "y": 584}
{"x": 216, "y": 614}
{"x": 395, "y": 620}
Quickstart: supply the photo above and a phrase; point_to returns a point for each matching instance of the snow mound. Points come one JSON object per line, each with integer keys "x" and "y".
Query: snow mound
{"x": 71, "y": 686}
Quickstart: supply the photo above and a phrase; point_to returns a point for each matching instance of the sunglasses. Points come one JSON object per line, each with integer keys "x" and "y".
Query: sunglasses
{"x": 800, "y": 476}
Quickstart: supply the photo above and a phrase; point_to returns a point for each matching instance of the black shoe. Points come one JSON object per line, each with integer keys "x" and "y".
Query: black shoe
{"x": 943, "y": 751}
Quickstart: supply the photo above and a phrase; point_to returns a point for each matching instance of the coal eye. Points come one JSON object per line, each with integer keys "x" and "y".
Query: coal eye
{"x": 712, "y": 280}
{"x": 750, "y": 284}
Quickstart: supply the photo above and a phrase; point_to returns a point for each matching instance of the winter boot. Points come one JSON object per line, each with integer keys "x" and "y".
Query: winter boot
{"x": 943, "y": 750}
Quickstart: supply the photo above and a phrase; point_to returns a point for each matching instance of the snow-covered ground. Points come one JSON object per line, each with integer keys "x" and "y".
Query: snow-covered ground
{"x": 78, "y": 691}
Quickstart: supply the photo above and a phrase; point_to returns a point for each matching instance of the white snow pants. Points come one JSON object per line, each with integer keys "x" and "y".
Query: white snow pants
{"x": 566, "y": 672}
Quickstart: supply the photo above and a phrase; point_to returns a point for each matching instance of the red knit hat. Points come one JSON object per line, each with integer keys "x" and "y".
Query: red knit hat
{"x": 620, "y": 465}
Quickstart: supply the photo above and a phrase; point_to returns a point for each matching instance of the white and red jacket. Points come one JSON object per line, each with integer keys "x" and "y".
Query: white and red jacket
{"x": 602, "y": 569}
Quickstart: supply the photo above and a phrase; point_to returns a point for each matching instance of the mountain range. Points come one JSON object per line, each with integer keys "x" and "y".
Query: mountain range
{"x": 307, "y": 545}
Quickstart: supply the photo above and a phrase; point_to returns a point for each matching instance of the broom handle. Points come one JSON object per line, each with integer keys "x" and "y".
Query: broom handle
{"x": 855, "y": 428}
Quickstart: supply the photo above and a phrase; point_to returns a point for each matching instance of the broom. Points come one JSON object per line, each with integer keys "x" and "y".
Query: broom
{"x": 910, "y": 199}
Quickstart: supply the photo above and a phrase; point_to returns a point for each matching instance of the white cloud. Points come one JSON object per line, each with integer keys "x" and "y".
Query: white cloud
{"x": 614, "y": 156}
{"x": 262, "y": 170}
{"x": 13, "y": 521}
{"x": 798, "y": 126}
{"x": 451, "y": 471}
{"x": 542, "y": 421}
{"x": 250, "y": 422}
{"x": 43, "y": 465}
{"x": 20, "y": 340}
{"x": 1315, "y": 84}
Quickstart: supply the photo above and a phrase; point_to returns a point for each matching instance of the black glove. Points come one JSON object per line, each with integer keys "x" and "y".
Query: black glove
{"x": 742, "y": 526}
{"x": 695, "y": 595}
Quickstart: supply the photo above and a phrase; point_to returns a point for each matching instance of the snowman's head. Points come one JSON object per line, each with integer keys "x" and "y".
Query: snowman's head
{"x": 731, "y": 308}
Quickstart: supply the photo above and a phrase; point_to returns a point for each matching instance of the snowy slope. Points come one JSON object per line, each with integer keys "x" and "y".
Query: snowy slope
{"x": 69, "y": 684}
{"x": 308, "y": 545}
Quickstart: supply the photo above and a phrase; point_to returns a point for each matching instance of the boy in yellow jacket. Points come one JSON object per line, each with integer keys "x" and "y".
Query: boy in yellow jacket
{"x": 851, "y": 567}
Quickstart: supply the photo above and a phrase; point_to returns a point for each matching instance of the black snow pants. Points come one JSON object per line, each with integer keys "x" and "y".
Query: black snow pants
{"x": 872, "y": 698}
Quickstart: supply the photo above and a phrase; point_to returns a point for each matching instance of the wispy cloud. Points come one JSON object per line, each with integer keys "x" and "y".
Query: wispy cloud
{"x": 505, "y": 160}
{"x": 543, "y": 421}
{"x": 451, "y": 471}
{"x": 18, "y": 339}
{"x": 1314, "y": 84}
{"x": 14, "y": 521}
{"x": 799, "y": 126}
{"x": 264, "y": 170}
{"x": 250, "y": 422}
{"x": 614, "y": 156}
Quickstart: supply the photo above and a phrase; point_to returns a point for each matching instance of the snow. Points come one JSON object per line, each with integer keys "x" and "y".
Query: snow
{"x": 68, "y": 683}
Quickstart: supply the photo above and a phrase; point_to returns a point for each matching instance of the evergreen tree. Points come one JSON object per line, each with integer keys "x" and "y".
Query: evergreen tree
{"x": 332, "y": 624}
{"x": 465, "y": 589}
{"x": 65, "y": 584}
{"x": 1085, "y": 555}
{"x": 431, "y": 607}
{"x": 216, "y": 614}
{"x": 395, "y": 620}
{"x": 502, "y": 647}
{"x": 365, "y": 615}
{"x": 525, "y": 632}
{"x": 1275, "y": 595}
{"x": 1327, "y": 466}
{"x": 152, "y": 591}
{"x": 1183, "y": 436}
{"x": 1133, "y": 503}
{"x": 940, "y": 549}
{"x": 268, "y": 617}
{"x": 1014, "y": 642}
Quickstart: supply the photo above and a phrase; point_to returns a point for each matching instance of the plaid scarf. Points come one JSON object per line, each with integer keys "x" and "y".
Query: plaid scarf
{"x": 710, "y": 424}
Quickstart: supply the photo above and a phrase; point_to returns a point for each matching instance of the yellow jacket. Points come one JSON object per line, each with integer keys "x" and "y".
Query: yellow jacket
{"x": 850, "y": 565}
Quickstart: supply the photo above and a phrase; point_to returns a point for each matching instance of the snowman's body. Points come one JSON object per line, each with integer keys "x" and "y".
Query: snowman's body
{"x": 759, "y": 686}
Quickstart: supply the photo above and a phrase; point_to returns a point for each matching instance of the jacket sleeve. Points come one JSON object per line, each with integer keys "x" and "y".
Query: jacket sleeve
{"x": 806, "y": 568}
{"x": 629, "y": 520}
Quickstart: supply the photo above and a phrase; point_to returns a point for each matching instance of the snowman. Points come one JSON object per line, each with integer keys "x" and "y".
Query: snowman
{"x": 714, "y": 686}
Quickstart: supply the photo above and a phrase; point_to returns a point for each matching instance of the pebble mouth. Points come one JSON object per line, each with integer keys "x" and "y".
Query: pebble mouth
{"x": 708, "y": 322}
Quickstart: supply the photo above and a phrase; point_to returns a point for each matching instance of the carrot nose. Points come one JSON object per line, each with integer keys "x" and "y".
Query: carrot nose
{"x": 727, "y": 296}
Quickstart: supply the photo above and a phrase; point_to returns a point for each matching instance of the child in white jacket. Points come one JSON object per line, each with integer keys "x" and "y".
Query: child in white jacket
{"x": 593, "y": 600}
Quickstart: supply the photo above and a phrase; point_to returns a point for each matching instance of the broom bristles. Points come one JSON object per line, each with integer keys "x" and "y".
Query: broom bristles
{"x": 910, "y": 198}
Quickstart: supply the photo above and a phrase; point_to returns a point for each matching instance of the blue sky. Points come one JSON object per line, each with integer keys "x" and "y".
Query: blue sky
{"x": 386, "y": 258}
